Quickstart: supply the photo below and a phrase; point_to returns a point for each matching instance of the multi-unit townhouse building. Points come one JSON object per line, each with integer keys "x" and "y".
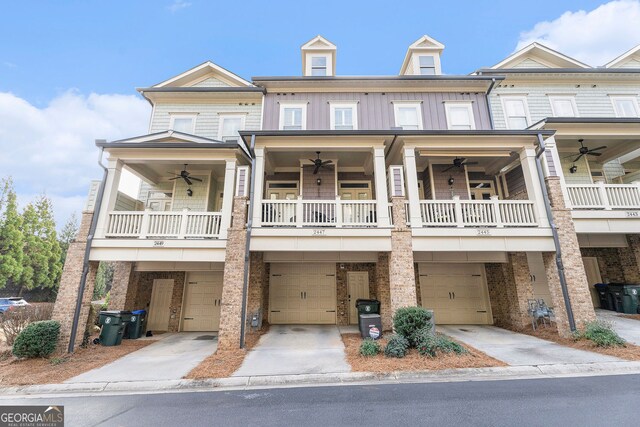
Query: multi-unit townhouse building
{"x": 285, "y": 199}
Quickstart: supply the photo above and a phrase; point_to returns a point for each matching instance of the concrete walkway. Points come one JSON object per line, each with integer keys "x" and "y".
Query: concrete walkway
{"x": 169, "y": 358}
{"x": 629, "y": 329}
{"x": 520, "y": 349}
{"x": 296, "y": 349}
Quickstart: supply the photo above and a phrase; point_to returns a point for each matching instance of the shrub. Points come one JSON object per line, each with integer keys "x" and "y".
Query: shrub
{"x": 409, "y": 320}
{"x": 369, "y": 347}
{"x": 397, "y": 346}
{"x": 13, "y": 321}
{"x": 601, "y": 333}
{"x": 38, "y": 339}
{"x": 432, "y": 344}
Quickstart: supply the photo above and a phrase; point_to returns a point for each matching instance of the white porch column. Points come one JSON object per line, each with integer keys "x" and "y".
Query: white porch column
{"x": 409, "y": 159}
{"x": 258, "y": 186}
{"x": 532, "y": 182}
{"x": 227, "y": 198}
{"x": 554, "y": 169}
{"x": 114, "y": 170}
{"x": 382, "y": 195}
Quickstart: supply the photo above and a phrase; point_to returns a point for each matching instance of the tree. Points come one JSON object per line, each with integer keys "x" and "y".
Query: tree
{"x": 104, "y": 279}
{"x": 67, "y": 235}
{"x": 11, "y": 236}
{"x": 50, "y": 241}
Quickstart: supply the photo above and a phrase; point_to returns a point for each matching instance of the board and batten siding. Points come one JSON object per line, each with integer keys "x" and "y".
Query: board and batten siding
{"x": 208, "y": 116}
{"x": 375, "y": 110}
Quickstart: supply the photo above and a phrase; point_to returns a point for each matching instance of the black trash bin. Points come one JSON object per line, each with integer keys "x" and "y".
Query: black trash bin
{"x": 113, "y": 325}
{"x": 368, "y": 306}
{"x": 370, "y": 326}
{"x": 135, "y": 327}
{"x": 603, "y": 295}
{"x": 615, "y": 296}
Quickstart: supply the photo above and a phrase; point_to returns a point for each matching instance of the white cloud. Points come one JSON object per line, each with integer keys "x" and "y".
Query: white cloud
{"x": 51, "y": 150}
{"x": 178, "y": 5}
{"x": 595, "y": 37}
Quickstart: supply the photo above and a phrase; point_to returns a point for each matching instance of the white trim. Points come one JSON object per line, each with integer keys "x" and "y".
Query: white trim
{"x": 415, "y": 57}
{"x": 469, "y": 107}
{"x": 634, "y": 100}
{"x": 223, "y": 116}
{"x": 328, "y": 66}
{"x": 504, "y": 109}
{"x": 343, "y": 104}
{"x": 293, "y": 104}
{"x": 570, "y": 98}
{"x": 233, "y": 77}
{"x": 621, "y": 59}
{"x": 415, "y": 104}
{"x": 537, "y": 46}
{"x": 432, "y": 47}
{"x": 192, "y": 116}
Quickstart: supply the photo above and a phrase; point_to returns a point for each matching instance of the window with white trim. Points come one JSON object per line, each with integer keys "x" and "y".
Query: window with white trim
{"x": 427, "y": 64}
{"x": 625, "y": 106}
{"x": 343, "y": 115}
{"x": 230, "y": 125}
{"x": 563, "y": 106}
{"x": 293, "y": 116}
{"x": 408, "y": 115}
{"x": 516, "y": 112}
{"x": 185, "y": 123}
{"x": 318, "y": 65}
{"x": 459, "y": 115}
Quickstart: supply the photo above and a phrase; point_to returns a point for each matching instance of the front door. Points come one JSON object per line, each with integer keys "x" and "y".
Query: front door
{"x": 202, "y": 298}
{"x": 593, "y": 276}
{"x": 355, "y": 190}
{"x": 160, "y": 305}
{"x": 358, "y": 288}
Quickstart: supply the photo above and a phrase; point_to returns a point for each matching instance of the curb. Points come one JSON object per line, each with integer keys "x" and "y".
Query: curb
{"x": 330, "y": 379}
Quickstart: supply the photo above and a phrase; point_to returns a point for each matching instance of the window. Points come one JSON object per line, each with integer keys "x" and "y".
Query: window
{"x": 427, "y": 65}
{"x": 459, "y": 115}
{"x": 563, "y": 106}
{"x": 185, "y": 123}
{"x": 515, "y": 111}
{"x": 408, "y": 115}
{"x": 344, "y": 115}
{"x": 293, "y": 116}
{"x": 625, "y": 106}
{"x": 229, "y": 127}
{"x": 318, "y": 65}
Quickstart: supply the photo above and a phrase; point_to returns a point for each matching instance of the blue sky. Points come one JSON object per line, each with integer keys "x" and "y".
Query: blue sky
{"x": 69, "y": 69}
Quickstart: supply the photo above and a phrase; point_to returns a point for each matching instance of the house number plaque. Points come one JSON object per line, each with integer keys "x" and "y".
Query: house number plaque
{"x": 484, "y": 232}
{"x": 158, "y": 243}
{"x": 318, "y": 232}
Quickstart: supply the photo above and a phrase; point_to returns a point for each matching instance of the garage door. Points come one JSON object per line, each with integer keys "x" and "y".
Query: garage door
{"x": 302, "y": 293}
{"x": 202, "y": 297}
{"x": 457, "y": 293}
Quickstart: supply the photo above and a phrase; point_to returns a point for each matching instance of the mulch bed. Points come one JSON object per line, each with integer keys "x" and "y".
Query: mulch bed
{"x": 222, "y": 364}
{"x": 550, "y": 333}
{"x": 61, "y": 367}
{"x": 413, "y": 361}
{"x": 631, "y": 316}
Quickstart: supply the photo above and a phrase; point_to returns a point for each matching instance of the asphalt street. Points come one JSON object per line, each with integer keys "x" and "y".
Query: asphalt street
{"x": 586, "y": 401}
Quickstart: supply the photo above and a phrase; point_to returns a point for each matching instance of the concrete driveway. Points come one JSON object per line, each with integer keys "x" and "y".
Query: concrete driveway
{"x": 169, "y": 358}
{"x": 296, "y": 349}
{"x": 629, "y": 329}
{"x": 519, "y": 349}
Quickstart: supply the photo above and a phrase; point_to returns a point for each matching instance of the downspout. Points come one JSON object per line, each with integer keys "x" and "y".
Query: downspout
{"x": 556, "y": 240}
{"x": 87, "y": 251}
{"x": 493, "y": 82}
{"x": 247, "y": 254}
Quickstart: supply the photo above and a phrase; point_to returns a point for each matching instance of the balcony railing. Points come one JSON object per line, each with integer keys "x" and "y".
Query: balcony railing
{"x": 478, "y": 213}
{"x": 604, "y": 196}
{"x": 166, "y": 225}
{"x": 319, "y": 213}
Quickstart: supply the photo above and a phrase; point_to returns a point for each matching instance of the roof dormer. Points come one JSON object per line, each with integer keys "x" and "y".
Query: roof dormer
{"x": 423, "y": 58}
{"x": 318, "y": 57}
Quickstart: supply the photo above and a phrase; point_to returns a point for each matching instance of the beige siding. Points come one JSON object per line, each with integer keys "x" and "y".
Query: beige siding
{"x": 197, "y": 202}
{"x": 211, "y": 82}
{"x": 632, "y": 63}
{"x": 529, "y": 63}
{"x": 126, "y": 203}
{"x": 581, "y": 176}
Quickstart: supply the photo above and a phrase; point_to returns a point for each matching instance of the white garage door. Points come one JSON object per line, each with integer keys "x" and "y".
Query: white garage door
{"x": 202, "y": 297}
{"x": 302, "y": 293}
{"x": 457, "y": 293}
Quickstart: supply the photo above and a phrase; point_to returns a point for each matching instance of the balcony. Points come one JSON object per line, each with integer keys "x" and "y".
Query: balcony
{"x": 163, "y": 225}
{"x": 478, "y": 213}
{"x": 319, "y": 213}
{"x": 604, "y": 196}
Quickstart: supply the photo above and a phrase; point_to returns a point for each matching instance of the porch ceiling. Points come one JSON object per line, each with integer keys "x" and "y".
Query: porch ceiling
{"x": 278, "y": 159}
{"x": 617, "y": 146}
{"x": 155, "y": 172}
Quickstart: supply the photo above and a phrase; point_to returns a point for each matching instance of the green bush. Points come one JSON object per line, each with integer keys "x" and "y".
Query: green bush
{"x": 38, "y": 339}
{"x": 369, "y": 347}
{"x": 432, "y": 344}
{"x": 602, "y": 334}
{"x": 409, "y": 320}
{"x": 397, "y": 346}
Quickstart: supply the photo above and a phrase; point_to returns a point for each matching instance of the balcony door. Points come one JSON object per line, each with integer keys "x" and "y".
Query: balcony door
{"x": 280, "y": 190}
{"x": 352, "y": 190}
{"x": 481, "y": 190}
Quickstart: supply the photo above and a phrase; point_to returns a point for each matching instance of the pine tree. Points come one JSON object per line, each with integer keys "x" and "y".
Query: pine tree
{"x": 11, "y": 236}
{"x": 67, "y": 235}
{"x": 50, "y": 241}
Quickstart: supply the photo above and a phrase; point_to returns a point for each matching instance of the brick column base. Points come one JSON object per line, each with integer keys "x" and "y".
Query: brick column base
{"x": 256, "y": 292}
{"x": 123, "y": 287}
{"x": 402, "y": 279}
{"x": 383, "y": 291}
{"x": 509, "y": 289}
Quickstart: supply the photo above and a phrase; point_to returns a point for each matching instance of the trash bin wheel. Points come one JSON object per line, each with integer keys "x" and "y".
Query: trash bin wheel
{"x": 96, "y": 340}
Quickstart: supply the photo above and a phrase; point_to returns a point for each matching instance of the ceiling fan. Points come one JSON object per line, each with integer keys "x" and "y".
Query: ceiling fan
{"x": 318, "y": 163}
{"x": 588, "y": 151}
{"x": 458, "y": 162}
{"x": 185, "y": 175}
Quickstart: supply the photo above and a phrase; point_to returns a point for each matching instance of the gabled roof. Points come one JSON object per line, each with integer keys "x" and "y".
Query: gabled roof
{"x": 423, "y": 44}
{"x": 629, "y": 59}
{"x": 203, "y": 72}
{"x": 537, "y": 55}
{"x": 167, "y": 139}
{"x": 318, "y": 43}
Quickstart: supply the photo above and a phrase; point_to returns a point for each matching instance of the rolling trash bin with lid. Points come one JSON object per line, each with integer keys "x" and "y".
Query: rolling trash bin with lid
{"x": 603, "y": 295}
{"x": 369, "y": 320}
{"x": 135, "y": 327}
{"x": 113, "y": 324}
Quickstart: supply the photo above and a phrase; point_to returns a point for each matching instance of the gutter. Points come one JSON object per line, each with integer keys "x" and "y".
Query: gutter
{"x": 247, "y": 248}
{"x": 556, "y": 239}
{"x": 87, "y": 250}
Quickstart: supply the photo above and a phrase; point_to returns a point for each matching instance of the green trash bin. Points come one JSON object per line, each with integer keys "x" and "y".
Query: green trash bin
{"x": 630, "y": 295}
{"x": 135, "y": 327}
{"x": 113, "y": 325}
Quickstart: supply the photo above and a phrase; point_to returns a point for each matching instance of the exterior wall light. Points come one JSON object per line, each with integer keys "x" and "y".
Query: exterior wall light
{"x": 189, "y": 192}
{"x": 451, "y": 180}
{"x": 319, "y": 181}
{"x": 573, "y": 169}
